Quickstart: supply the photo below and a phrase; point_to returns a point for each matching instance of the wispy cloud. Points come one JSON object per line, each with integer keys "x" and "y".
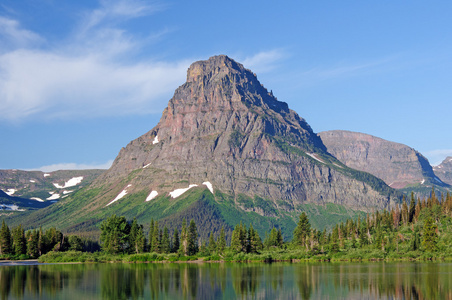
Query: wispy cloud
{"x": 341, "y": 70}
{"x": 73, "y": 166}
{"x": 87, "y": 75}
{"x": 13, "y": 35}
{"x": 264, "y": 61}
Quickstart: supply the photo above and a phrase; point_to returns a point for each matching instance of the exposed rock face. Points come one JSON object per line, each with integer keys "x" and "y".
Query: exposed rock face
{"x": 444, "y": 170}
{"x": 224, "y": 127}
{"x": 397, "y": 164}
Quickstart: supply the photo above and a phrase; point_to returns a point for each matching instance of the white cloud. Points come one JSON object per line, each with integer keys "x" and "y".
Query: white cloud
{"x": 89, "y": 75}
{"x": 13, "y": 34}
{"x": 264, "y": 61}
{"x": 73, "y": 166}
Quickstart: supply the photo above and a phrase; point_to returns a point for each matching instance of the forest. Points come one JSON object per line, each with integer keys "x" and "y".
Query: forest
{"x": 415, "y": 229}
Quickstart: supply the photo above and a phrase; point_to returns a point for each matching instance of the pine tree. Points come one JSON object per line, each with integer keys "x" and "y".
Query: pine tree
{"x": 404, "y": 211}
{"x": 221, "y": 242}
{"x": 151, "y": 234}
{"x": 32, "y": 243}
{"x": 176, "y": 243}
{"x": 412, "y": 209}
{"x": 192, "y": 238}
{"x": 212, "y": 244}
{"x": 165, "y": 244}
{"x": 5, "y": 240}
{"x": 156, "y": 238}
{"x": 236, "y": 243}
{"x": 134, "y": 228}
{"x": 19, "y": 243}
{"x": 183, "y": 247}
{"x": 302, "y": 231}
{"x": 415, "y": 242}
{"x": 430, "y": 237}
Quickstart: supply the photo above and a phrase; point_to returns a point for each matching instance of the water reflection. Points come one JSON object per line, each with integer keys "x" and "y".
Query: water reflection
{"x": 228, "y": 281}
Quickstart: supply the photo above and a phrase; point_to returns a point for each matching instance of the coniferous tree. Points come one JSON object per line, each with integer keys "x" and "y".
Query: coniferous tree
{"x": 165, "y": 245}
{"x": 183, "y": 247}
{"x": 150, "y": 235}
{"x": 236, "y": 243}
{"x": 5, "y": 240}
{"x": 19, "y": 243}
{"x": 412, "y": 209}
{"x": 404, "y": 211}
{"x": 429, "y": 236}
{"x": 416, "y": 241}
{"x": 156, "y": 238}
{"x": 192, "y": 238}
{"x": 221, "y": 242}
{"x": 176, "y": 243}
{"x": 212, "y": 245}
{"x": 302, "y": 231}
{"x": 115, "y": 234}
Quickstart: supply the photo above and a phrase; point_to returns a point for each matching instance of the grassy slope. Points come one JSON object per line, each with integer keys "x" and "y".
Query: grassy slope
{"x": 78, "y": 214}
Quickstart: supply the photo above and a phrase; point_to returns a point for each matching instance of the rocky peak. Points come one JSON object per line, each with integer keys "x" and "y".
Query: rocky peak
{"x": 444, "y": 170}
{"x": 397, "y": 164}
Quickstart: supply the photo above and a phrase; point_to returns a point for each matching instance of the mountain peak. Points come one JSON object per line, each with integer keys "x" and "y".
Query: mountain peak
{"x": 219, "y": 65}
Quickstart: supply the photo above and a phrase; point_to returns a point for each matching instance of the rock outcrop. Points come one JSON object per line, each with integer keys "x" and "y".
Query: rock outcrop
{"x": 397, "y": 164}
{"x": 444, "y": 170}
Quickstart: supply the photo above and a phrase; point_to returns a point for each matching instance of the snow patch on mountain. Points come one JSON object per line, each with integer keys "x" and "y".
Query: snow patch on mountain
{"x": 53, "y": 196}
{"x": 156, "y": 140}
{"x": 10, "y": 192}
{"x": 176, "y": 193}
{"x": 37, "y": 199}
{"x": 10, "y": 207}
{"x": 46, "y": 174}
{"x": 32, "y": 181}
{"x": 120, "y": 195}
{"x": 152, "y": 195}
{"x": 209, "y": 186}
{"x": 147, "y": 165}
{"x": 70, "y": 183}
{"x": 314, "y": 157}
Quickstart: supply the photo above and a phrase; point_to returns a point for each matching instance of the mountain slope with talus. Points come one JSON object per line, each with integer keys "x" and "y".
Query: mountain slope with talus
{"x": 226, "y": 144}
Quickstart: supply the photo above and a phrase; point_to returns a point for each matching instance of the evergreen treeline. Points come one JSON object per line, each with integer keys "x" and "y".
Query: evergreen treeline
{"x": 16, "y": 243}
{"x": 421, "y": 228}
{"x": 120, "y": 236}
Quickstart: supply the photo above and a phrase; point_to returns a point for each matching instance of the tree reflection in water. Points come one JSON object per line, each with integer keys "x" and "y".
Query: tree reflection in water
{"x": 228, "y": 281}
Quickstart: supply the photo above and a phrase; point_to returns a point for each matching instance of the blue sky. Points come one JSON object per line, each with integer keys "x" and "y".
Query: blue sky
{"x": 81, "y": 79}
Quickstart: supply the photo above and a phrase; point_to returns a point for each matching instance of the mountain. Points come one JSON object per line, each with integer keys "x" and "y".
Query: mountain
{"x": 40, "y": 187}
{"x": 444, "y": 170}
{"x": 400, "y": 166}
{"x": 10, "y": 204}
{"x": 225, "y": 150}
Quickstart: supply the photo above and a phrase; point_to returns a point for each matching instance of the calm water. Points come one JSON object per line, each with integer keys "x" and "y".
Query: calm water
{"x": 228, "y": 281}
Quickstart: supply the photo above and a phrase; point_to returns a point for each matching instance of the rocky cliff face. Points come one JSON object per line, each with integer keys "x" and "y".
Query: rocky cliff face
{"x": 444, "y": 170}
{"x": 397, "y": 164}
{"x": 223, "y": 127}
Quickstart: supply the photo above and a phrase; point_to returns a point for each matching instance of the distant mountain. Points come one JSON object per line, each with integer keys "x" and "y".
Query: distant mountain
{"x": 444, "y": 170}
{"x": 43, "y": 187}
{"x": 400, "y": 166}
{"x": 10, "y": 204}
{"x": 225, "y": 150}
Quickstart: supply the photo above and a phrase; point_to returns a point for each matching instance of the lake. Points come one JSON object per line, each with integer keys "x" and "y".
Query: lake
{"x": 379, "y": 280}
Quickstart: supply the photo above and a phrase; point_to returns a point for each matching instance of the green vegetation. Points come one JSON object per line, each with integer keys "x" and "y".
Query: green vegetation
{"x": 421, "y": 230}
